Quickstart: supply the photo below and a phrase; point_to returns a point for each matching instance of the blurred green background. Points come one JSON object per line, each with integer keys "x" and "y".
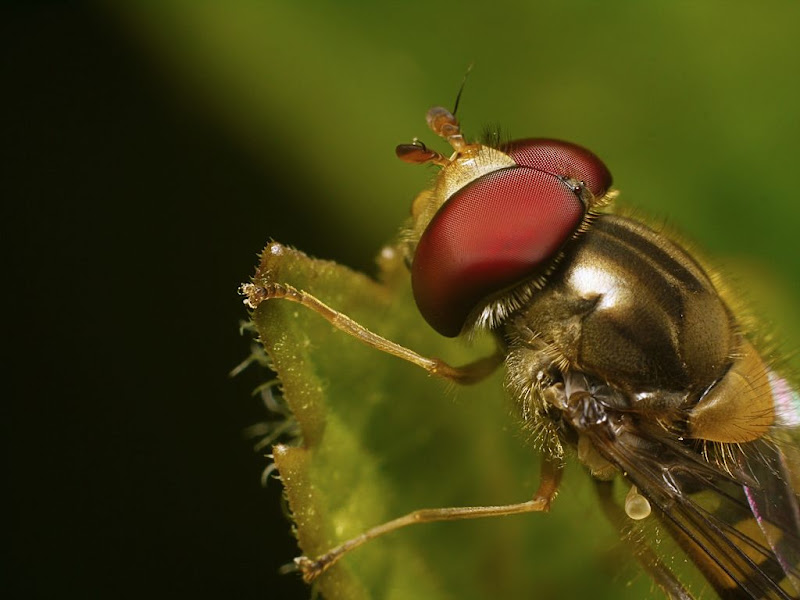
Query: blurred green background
{"x": 152, "y": 149}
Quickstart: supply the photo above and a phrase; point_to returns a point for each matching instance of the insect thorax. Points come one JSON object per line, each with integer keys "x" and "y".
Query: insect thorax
{"x": 638, "y": 320}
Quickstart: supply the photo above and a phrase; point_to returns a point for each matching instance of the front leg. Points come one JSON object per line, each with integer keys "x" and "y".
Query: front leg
{"x": 465, "y": 374}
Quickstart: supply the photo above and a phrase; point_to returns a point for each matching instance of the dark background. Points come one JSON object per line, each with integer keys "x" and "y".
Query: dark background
{"x": 143, "y": 171}
{"x": 133, "y": 219}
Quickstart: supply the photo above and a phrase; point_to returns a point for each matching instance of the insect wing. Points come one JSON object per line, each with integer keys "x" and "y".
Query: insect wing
{"x": 774, "y": 502}
{"x": 734, "y": 513}
{"x": 774, "y": 508}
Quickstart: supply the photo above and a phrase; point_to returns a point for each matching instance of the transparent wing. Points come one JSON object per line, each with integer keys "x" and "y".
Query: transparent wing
{"x": 733, "y": 511}
{"x": 774, "y": 503}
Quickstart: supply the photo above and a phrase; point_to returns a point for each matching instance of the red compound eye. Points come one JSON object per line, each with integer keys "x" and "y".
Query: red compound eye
{"x": 562, "y": 158}
{"x": 501, "y": 228}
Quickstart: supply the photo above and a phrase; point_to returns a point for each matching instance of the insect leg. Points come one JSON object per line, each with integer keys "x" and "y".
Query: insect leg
{"x": 653, "y": 566}
{"x": 548, "y": 486}
{"x": 465, "y": 374}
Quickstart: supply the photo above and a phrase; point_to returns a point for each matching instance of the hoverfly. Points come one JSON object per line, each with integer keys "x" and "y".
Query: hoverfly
{"x": 616, "y": 342}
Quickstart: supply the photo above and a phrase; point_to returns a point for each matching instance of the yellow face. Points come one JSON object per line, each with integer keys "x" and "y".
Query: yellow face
{"x": 462, "y": 169}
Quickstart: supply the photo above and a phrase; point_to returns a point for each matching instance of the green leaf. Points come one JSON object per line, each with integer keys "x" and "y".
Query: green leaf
{"x": 381, "y": 438}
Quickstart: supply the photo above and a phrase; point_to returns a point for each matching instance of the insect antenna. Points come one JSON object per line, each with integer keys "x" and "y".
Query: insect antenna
{"x": 461, "y": 88}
